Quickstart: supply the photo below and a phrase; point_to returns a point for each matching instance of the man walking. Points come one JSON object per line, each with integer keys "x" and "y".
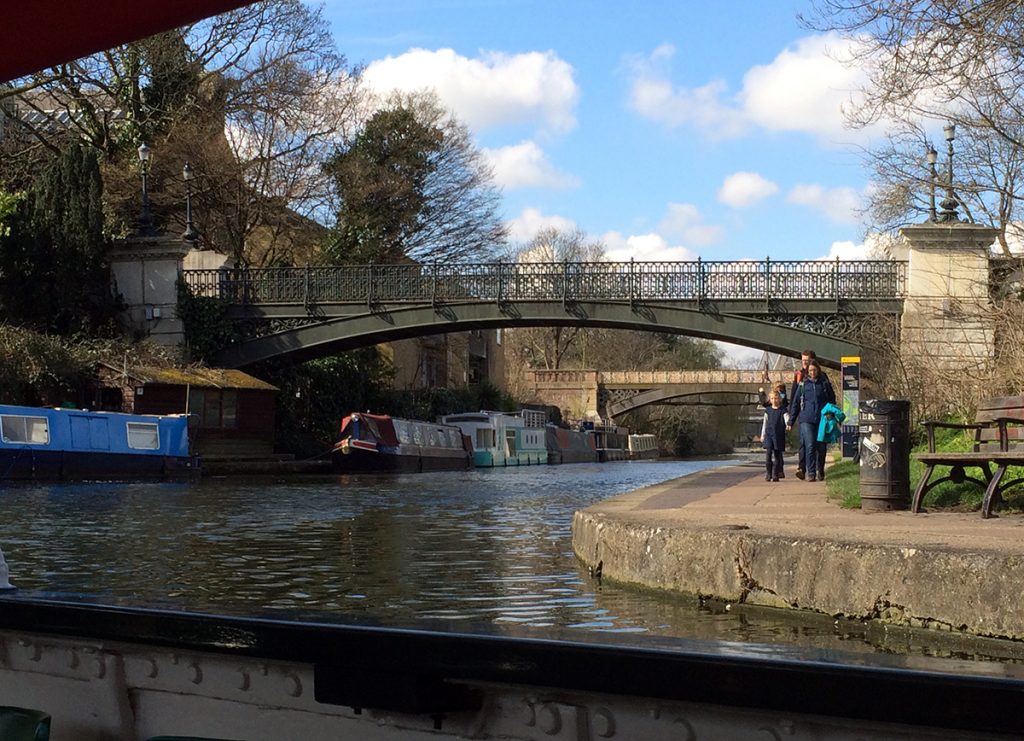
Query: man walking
{"x": 799, "y": 376}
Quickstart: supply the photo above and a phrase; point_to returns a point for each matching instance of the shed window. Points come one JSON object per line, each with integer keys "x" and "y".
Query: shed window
{"x": 19, "y": 429}
{"x": 143, "y": 436}
{"x": 213, "y": 408}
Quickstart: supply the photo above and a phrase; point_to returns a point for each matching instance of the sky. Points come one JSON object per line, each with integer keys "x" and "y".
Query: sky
{"x": 668, "y": 130}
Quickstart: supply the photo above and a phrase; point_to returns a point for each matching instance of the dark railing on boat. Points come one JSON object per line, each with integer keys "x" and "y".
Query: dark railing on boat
{"x": 420, "y": 671}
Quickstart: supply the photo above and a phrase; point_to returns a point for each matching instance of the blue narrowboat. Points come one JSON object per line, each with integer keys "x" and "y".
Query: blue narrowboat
{"x": 61, "y": 444}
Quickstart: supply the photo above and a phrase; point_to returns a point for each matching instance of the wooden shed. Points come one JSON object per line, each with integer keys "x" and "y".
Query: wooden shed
{"x": 231, "y": 414}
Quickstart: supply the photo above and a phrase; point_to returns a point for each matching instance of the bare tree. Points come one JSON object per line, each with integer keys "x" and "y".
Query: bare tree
{"x": 931, "y": 61}
{"x": 254, "y": 99}
{"x": 548, "y": 347}
{"x": 987, "y": 184}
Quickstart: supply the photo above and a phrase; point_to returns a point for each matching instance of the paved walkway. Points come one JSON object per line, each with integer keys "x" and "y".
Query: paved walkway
{"x": 738, "y": 497}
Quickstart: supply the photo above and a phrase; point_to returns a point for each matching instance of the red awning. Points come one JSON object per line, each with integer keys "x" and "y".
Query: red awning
{"x": 36, "y": 34}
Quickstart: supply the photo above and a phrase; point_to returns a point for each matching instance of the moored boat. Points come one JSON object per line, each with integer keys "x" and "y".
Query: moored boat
{"x": 643, "y": 446}
{"x": 569, "y": 446}
{"x": 501, "y": 439}
{"x": 378, "y": 443}
{"x": 611, "y": 442}
{"x": 57, "y": 444}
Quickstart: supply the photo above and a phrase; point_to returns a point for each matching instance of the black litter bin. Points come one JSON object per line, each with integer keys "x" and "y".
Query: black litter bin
{"x": 884, "y": 454}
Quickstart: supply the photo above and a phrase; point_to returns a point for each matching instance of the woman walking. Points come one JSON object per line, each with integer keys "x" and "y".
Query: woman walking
{"x": 810, "y": 398}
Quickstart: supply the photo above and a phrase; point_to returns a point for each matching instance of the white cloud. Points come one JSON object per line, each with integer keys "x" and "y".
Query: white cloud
{"x": 493, "y": 89}
{"x": 646, "y": 247}
{"x": 525, "y": 227}
{"x": 525, "y": 165}
{"x": 684, "y": 221}
{"x": 840, "y": 205}
{"x": 874, "y": 247}
{"x": 653, "y": 97}
{"x": 805, "y": 88}
{"x": 742, "y": 189}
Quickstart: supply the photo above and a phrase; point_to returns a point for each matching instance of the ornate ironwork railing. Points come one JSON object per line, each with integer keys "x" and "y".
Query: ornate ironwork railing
{"x": 767, "y": 280}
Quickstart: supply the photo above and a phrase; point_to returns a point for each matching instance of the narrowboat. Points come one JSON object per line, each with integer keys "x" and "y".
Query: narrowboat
{"x": 378, "y": 443}
{"x": 501, "y": 439}
{"x": 569, "y": 446}
{"x": 66, "y": 444}
{"x": 643, "y": 446}
{"x": 611, "y": 442}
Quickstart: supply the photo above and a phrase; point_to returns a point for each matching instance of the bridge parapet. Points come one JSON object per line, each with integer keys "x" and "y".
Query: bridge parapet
{"x": 648, "y": 379}
{"x": 632, "y": 281}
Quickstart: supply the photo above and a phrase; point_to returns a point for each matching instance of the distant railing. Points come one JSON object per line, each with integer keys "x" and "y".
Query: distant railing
{"x": 500, "y": 282}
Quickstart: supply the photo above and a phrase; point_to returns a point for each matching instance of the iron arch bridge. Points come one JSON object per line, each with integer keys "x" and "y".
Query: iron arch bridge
{"x": 836, "y": 307}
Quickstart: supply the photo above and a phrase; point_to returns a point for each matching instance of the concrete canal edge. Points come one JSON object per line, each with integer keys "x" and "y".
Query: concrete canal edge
{"x": 719, "y": 544}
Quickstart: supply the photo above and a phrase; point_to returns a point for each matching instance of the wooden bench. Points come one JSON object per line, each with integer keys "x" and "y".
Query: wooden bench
{"x": 998, "y": 443}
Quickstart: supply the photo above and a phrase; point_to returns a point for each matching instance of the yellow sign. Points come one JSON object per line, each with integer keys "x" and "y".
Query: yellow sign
{"x": 850, "y": 359}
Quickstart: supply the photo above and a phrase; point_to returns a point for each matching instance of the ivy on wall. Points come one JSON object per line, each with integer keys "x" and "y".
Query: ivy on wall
{"x": 206, "y": 324}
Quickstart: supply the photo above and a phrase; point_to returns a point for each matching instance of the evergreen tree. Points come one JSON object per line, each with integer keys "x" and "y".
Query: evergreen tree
{"x": 53, "y": 262}
{"x": 382, "y": 178}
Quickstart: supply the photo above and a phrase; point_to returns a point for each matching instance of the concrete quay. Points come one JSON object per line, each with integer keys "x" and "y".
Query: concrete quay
{"x": 729, "y": 534}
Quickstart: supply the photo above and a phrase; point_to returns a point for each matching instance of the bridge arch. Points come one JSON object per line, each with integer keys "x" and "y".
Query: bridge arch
{"x": 711, "y": 395}
{"x": 320, "y": 336}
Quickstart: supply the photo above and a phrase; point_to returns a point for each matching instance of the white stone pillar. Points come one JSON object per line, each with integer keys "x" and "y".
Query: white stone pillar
{"x": 145, "y": 271}
{"x": 946, "y": 313}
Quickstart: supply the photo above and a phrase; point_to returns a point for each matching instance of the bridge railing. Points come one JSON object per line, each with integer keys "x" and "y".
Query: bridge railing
{"x": 697, "y": 281}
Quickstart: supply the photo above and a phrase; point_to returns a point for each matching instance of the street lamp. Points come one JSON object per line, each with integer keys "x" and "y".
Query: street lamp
{"x": 146, "y": 217}
{"x": 190, "y": 235}
{"x": 933, "y": 157}
{"x": 949, "y": 203}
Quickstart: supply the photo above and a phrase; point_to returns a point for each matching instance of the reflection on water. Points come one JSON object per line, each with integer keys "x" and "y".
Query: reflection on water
{"x": 464, "y": 548}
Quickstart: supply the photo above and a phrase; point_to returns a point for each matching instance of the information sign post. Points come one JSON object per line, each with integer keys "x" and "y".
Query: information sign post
{"x": 850, "y": 404}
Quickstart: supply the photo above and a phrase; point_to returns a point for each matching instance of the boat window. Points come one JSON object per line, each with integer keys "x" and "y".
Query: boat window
{"x": 484, "y": 437}
{"x": 432, "y": 439}
{"x": 143, "y": 436}
{"x": 417, "y": 435}
{"x": 402, "y": 431}
{"x": 21, "y": 429}
{"x": 455, "y": 438}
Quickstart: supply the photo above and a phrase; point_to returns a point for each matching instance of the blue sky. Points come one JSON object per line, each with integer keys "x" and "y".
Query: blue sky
{"x": 670, "y": 130}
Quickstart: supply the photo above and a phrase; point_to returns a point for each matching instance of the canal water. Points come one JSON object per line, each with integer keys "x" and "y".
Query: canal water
{"x": 474, "y": 550}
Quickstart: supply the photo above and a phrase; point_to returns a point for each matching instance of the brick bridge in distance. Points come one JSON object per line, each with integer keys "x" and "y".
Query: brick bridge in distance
{"x": 611, "y": 394}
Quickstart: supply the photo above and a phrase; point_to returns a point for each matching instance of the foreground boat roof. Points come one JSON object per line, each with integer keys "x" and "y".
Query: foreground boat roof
{"x": 435, "y": 672}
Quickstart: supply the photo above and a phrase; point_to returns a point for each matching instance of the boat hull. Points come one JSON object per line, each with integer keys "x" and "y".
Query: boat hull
{"x": 64, "y": 465}
{"x": 365, "y": 461}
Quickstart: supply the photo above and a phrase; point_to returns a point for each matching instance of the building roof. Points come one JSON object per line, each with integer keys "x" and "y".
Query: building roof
{"x": 224, "y": 378}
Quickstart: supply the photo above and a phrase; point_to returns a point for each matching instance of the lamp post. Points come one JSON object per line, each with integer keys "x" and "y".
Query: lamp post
{"x": 190, "y": 235}
{"x": 146, "y": 217}
{"x": 933, "y": 157}
{"x": 949, "y": 203}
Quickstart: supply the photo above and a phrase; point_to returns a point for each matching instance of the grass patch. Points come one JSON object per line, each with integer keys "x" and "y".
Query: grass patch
{"x": 843, "y": 483}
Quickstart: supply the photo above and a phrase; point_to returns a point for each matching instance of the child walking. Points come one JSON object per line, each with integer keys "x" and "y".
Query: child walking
{"x": 776, "y": 418}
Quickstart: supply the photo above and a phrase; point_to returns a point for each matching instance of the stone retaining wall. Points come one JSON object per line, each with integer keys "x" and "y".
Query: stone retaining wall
{"x": 944, "y": 588}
